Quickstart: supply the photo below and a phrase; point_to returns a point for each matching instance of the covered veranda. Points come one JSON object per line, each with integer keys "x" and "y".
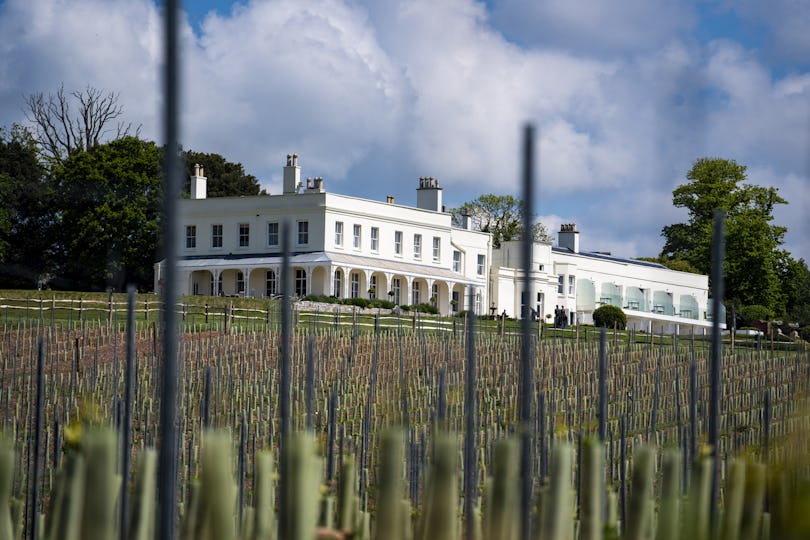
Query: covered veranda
{"x": 327, "y": 274}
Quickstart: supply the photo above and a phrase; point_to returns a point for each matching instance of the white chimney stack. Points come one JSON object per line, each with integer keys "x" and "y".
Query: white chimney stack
{"x": 199, "y": 183}
{"x": 568, "y": 237}
{"x": 429, "y": 195}
{"x": 292, "y": 174}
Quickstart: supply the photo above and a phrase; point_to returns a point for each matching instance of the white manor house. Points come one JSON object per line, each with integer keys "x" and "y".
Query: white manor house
{"x": 351, "y": 247}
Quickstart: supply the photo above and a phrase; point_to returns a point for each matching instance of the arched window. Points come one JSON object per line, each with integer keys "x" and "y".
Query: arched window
{"x": 271, "y": 284}
{"x": 300, "y": 282}
{"x": 415, "y": 293}
{"x": 372, "y": 288}
{"x": 355, "y": 285}
{"x": 337, "y": 284}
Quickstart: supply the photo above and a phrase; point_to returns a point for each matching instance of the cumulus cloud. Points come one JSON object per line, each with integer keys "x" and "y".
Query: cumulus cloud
{"x": 304, "y": 76}
{"x": 785, "y": 22}
{"x": 593, "y": 27}
{"x": 373, "y": 94}
{"x": 112, "y": 45}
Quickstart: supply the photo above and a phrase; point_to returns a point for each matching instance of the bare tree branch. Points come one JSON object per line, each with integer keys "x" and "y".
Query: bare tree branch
{"x": 60, "y": 133}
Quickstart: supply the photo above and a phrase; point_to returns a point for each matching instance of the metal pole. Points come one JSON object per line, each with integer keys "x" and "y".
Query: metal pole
{"x": 129, "y": 380}
{"x": 603, "y": 388}
{"x": 167, "y": 490}
{"x": 284, "y": 378}
{"x": 527, "y": 364}
{"x": 715, "y": 370}
{"x": 470, "y": 409}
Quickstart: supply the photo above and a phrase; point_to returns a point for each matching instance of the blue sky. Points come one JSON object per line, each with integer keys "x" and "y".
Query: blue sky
{"x": 372, "y": 95}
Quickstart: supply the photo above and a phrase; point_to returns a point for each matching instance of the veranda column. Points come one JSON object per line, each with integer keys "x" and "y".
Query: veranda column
{"x": 189, "y": 287}
{"x": 344, "y": 283}
{"x": 408, "y": 290}
{"x": 246, "y": 278}
{"x": 389, "y": 286}
{"x": 364, "y": 284}
{"x": 215, "y": 288}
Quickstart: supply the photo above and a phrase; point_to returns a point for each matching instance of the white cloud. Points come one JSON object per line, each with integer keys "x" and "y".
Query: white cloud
{"x": 593, "y": 27}
{"x": 111, "y": 45}
{"x": 786, "y": 23}
{"x": 277, "y": 77}
{"x": 373, "y": 95}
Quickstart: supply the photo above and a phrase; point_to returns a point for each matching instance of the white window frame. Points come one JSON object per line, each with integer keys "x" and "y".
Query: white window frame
{"x": 300, "y": 282}
{"x": 456, "y": 260}
{"x": 273, "y": 235}
{"x": 375, "y": 239}
{"x": 417, "y": 246}
{"x": 244, "y": 234}
{"x": 191, "y": 237}
{"x": 398, "y": 243}
{"x": 354, "y": 284}
{"x": 480, "y": 267}
{"x": 240, "y": 282}
{"x": 271, "y": 284}
{"x": 560, "y": 284}
{"x": 216, "y": 236}
{"x": 415, "y": 292}
{"x": 338, "y": 233}
{"x": 571, "y": 287}
{"x": 357, "y": 233}
{"x": 303, "y": 233}
{"x": 372, "y": 284}
{"x": 337, "y": 283}
{"x": 437, "y": 248}
{"x": 396, "y": 286}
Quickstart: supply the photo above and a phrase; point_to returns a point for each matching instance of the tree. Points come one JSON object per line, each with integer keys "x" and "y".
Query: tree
{"x": 795, "y": 279}
{"x": 500, "y": 215}
{"x": 26, "y": 213}
{"x": 752, "y": 241}
{"x": 679, "y": 265}
{"x": 62, "y": 132}
{"x": 109, "y": 201}
{"x": 225, "y": 179}
{"x": 609, "y": 316}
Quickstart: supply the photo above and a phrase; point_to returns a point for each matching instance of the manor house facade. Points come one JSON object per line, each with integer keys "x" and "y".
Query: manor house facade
{"x": 352, "y": 247}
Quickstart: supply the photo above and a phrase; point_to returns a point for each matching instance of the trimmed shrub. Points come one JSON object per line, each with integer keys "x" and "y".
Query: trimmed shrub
{"x": 424, "y": 308}
{"x": 359, "y": 302}
{"x": 380, "y": 303}
{"x": 608, "y": 316}
{"x": 804, "y": 333}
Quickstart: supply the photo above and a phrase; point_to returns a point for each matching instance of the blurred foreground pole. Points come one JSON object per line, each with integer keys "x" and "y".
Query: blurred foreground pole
{"x": 527, "y": 363}
{"x": 470, "y": 410}
{"x": 715, "y": 368}
{"x": 285, "y": 487}
{"x": 167, "y": 486}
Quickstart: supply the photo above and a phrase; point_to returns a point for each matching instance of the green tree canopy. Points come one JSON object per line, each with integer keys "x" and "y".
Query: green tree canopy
{"x": 673, "y": 264}
{"x": 225, "y": 179}
{"x": 500, "y": 215}
{"x": 795, "y": 278}
{"x": 752, "y": 240}
{"x": 109, "y": 201}
{"x": 26, "y": 213}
